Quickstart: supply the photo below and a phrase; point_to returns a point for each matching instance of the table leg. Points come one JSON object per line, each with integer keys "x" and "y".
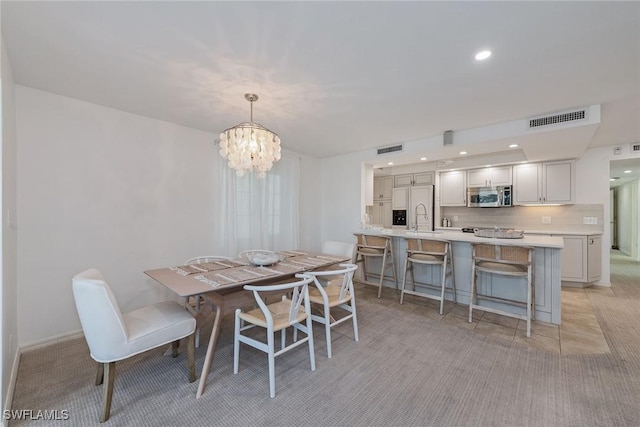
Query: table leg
{"x": 217, "y": 306}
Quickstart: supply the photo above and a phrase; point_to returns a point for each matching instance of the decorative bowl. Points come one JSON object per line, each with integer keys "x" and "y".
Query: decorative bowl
{"x": 261, "y": 257}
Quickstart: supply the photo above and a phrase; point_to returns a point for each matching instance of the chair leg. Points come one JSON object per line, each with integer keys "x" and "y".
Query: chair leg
{"x": 236, "y": 342}
{"x": 453, "y": 275}
{"x": 327, "y": 327}
{"x": 283, "y": 338}
{"x": 191, "y": 356}
{"x": 100, "y": 374}
{"x": 272, "y": 363}
{"x": 354, "y": 318}
{"x": 312, "y": 353}
{"x": 174, "y": 348}
{"x": 442, "y": 286}
{"x": 110, "y": 373}
{"x": 384, "y": 264}
{"x": 404, "y": 279}
{"x": 393, "y": 265}
{"x": 473, "y": 291}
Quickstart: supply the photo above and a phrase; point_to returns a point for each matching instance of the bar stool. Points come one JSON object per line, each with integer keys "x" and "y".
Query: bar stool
{"x": 376, "y": 247}
{"x": 429, "y": 252}
{"x": 504, "y": 260}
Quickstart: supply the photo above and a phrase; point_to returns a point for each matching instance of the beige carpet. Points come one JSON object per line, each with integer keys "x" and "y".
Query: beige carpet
{"x": 407, "y": 370}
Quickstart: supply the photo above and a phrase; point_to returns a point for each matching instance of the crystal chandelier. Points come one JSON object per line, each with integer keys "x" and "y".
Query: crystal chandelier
{"x": 250, "y": 146}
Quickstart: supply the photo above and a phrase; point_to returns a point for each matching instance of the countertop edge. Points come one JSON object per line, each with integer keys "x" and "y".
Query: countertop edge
{"x": 553, "y": 242}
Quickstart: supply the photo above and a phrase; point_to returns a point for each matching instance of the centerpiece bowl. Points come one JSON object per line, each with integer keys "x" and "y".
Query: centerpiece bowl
{"x": 261, "y": 257}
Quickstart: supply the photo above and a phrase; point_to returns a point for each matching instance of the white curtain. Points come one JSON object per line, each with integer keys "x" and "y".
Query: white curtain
{"x": 257, "y": 213}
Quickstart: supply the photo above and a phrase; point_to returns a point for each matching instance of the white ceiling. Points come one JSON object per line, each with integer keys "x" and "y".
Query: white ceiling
{"x": 338, "y": 77}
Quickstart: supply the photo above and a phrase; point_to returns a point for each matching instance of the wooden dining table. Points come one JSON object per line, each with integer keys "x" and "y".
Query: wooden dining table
{"x": 220, "y": 283}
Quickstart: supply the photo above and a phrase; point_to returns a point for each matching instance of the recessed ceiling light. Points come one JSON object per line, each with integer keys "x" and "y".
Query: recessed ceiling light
{"x": 423, "y": 158}
{"x": 390, "y": 163}
{"x": 482, "y": 55}
{"x": 513, "y": 145}
{"x": 627, "y": 171}
{"x": 463, "y": 152}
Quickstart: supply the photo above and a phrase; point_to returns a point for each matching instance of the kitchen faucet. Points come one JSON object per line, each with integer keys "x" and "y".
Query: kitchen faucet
{"x": 415, "y": 216}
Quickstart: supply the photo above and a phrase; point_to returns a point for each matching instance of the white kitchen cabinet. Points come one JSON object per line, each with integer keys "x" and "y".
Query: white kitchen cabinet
{"x": 581, "y": 258}
{"x": 381, "y": 213}
{"x": 400, "y": 198}
{"x": 489, "y": 177}
{"x": 382, "y": 187}
{"x": 544, "y": 183}
{"x": 453, "y": 188}
{"x": 594, "y": 258}
{"x": 409, "y": 179}
{"x": 424, "y": 178}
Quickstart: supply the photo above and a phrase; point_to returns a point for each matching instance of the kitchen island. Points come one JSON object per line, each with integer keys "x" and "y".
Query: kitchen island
{"x": 547, "y": 269}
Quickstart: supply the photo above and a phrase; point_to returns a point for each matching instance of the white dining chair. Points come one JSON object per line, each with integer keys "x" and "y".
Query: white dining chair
{"x": 336, "y": 293}
{"x": 113, "y": 336}
{"x": 334, "y": 247}
{"x": 195, "y": 305}
{"x": 292, "y": 311}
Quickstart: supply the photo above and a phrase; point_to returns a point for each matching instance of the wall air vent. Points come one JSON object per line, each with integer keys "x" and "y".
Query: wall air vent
{"x": 392, "y": 149}
{"x": 555, "y": 119}
{"x": 635, "y": 147}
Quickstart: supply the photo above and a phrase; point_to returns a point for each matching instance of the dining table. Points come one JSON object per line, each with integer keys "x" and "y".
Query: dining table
{"x": 221, "y": 282}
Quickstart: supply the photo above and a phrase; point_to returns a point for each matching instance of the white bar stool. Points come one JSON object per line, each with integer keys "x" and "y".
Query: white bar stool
{"x": 506, "y": 260}
{"x": 429, "y": 252}
{"x": 376, "y": 247}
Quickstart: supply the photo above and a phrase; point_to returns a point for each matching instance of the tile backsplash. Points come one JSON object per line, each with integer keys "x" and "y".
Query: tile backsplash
{"x": 552, "y": 218}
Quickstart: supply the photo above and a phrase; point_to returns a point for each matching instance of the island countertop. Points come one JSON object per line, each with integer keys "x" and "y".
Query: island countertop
{"x": 537, "y": 241}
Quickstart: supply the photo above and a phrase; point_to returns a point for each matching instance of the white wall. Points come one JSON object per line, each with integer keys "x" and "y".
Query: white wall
{"x": 101, "y": 188}
{"x": 8, "y": 267}
{"x": 342, "y": 196}
{"x": 310, "y": 187}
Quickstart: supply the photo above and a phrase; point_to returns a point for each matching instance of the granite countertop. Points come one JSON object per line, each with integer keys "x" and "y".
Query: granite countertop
{"x": 451, "y": 234}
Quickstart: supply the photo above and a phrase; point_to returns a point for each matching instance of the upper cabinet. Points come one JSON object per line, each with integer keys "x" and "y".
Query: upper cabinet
{"x": 453, "y": 188}
{"x": 489, "y": 177}
{"x": 544, "y": 183}
{"x": 422, "y": 178}
{"x": 382, "y": 187}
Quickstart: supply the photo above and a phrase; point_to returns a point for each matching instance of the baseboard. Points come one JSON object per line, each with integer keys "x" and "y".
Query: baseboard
{"x": 51, "y": 340}
{"x": 12, "y": 383}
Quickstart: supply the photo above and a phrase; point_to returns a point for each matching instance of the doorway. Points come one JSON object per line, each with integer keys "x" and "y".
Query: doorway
{"x": 624, "y": 206}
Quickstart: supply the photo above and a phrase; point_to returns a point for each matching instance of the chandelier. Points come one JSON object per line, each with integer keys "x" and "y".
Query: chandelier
{"x": 250, "y": 146}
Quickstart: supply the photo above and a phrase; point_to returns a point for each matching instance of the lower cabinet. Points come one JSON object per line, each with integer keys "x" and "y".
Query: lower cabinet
{"x": 582, "y": 258}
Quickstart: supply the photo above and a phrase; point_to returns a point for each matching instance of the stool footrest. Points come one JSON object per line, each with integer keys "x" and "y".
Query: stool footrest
{"x": 498, "y": 311}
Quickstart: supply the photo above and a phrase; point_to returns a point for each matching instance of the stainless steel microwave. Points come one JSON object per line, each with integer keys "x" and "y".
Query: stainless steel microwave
{"x": 489, "y": 197}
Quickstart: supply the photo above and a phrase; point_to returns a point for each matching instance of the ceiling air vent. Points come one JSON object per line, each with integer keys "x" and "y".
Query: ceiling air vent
{"x": 635, "y": 147}
{"x": 392, "y": 149}
{"x": 555, "y": 119}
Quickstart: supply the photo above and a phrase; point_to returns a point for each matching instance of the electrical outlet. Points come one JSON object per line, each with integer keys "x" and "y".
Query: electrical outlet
{"x": 586, "y": 220}
{"x": 455, "y": 218}
{"x": 546, "y": 220}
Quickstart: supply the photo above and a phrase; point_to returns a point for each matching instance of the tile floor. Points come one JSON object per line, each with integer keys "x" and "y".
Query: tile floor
{"x": 579, "y": 333}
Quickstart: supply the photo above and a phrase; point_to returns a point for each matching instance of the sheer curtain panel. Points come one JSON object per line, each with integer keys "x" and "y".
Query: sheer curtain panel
{"x": 258, "y": 213}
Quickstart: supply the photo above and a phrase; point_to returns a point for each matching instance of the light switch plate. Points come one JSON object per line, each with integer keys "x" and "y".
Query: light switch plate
{"x": 546, "y": 220}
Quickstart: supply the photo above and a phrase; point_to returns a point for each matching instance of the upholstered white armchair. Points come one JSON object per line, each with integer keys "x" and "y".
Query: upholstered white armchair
{"x": 113, "y": 336}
